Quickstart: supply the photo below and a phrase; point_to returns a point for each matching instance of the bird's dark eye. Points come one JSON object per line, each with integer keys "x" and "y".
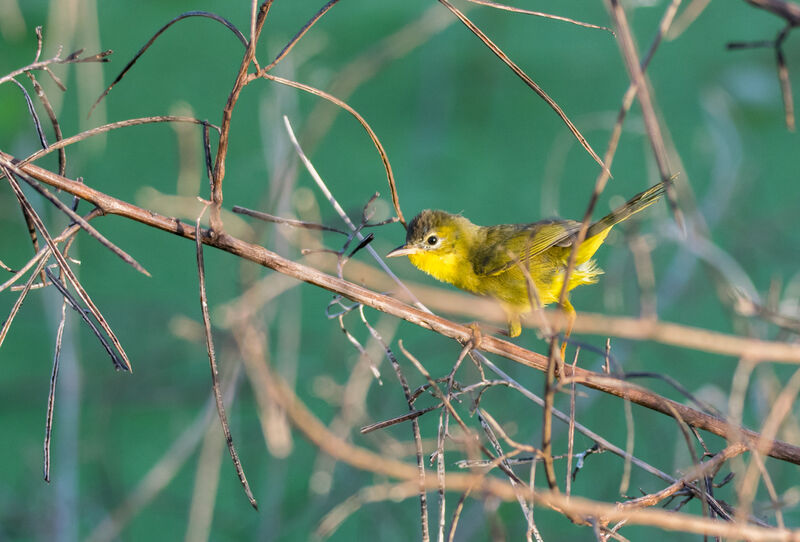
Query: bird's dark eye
{"x": 432, "y": 240}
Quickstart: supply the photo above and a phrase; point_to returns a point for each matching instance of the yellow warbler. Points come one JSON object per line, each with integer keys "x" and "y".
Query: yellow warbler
{"x": 494, "y": 260}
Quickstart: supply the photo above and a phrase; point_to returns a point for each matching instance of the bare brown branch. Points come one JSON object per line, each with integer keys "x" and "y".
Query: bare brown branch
{"x": 227, "y": 113}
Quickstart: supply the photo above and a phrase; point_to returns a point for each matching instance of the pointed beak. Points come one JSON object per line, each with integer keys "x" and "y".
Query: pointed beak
{"x": 402, "y": 250}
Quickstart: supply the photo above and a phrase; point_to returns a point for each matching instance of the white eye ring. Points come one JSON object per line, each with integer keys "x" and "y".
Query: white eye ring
{"x": 432, "y": 240}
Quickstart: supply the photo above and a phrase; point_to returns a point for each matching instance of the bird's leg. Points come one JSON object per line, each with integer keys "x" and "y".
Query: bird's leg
{"x": 569, "y": 312}
{"x": 514, "y": 325}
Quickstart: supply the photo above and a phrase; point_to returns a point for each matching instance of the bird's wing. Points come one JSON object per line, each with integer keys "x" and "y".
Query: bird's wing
{"x": 507, "y": 245}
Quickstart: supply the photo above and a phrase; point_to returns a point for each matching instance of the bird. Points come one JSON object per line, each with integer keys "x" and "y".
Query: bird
{"x": 522, "y": 266}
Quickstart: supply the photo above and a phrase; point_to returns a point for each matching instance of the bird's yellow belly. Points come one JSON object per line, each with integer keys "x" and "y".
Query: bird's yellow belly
{"x": 512, "y": 287}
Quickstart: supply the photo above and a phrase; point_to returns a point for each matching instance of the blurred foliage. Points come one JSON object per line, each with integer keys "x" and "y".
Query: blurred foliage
{"x": 463, "y": 134}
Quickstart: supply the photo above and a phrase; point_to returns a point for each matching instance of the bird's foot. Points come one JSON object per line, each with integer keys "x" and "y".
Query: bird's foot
{"x": 474, "y": 341}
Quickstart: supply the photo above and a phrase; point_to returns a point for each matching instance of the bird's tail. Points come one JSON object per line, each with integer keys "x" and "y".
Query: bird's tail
{"x": 634, "y": 205}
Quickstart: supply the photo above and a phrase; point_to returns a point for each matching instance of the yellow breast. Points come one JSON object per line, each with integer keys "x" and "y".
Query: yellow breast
{"x": 448, "y": 267}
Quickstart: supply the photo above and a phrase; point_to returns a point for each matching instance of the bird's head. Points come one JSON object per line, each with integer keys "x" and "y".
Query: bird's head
{"x": 436, "y": 242}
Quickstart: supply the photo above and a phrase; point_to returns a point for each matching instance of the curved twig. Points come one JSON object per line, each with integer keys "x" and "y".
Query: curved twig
{"x": 107, "y": 128}
{"x": 160, "y": 31}
{"x": 302, "y": 32}
{"x": 372, "y": 135}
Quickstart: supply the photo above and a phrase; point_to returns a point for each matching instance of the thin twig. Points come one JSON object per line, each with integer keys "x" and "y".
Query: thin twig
{"x": 45, "y": 64}
{"x": 783, "y": 77}
{"x": 397, "y": 419}
{"x": 698, "y": 471}
{"x": 288, "y": 221}
{"x": 73, "y": 303}
{"x": 223, "y": 419}
{"x": 20, "y": 299}
{"x": 51, "y": 396}
{"x": 457, "y": 513}
{"x": 526, "y": 510}
{"x": 652, "y": 126}
{"x": 441, "y": 433}
{"x": 48, "y": 107}
{"x": 300, "y": 33}
{"x": 36, "y": 122}
{"x": 522, "y": 75}
{"x": 423, "y": 498}
{"x": 547, "y": 416}
{"x": 340, "y": 211}
{"x": 504, "y": 7}
{"x": 108, "y": 127}
{"x": 372, "y": 135}
{"x": 155, "y": 36}
{"x": 571, "y": 430}
{"x": 127, "y": 258}
{"x": 630, "y": 440}
{"x": 123, "y": 363}
{"x": 68, "y": 233}
{"x": 215, "y": 218}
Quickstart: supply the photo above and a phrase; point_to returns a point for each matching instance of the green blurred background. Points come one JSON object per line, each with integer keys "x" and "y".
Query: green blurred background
{"x": 463, "y": 134}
